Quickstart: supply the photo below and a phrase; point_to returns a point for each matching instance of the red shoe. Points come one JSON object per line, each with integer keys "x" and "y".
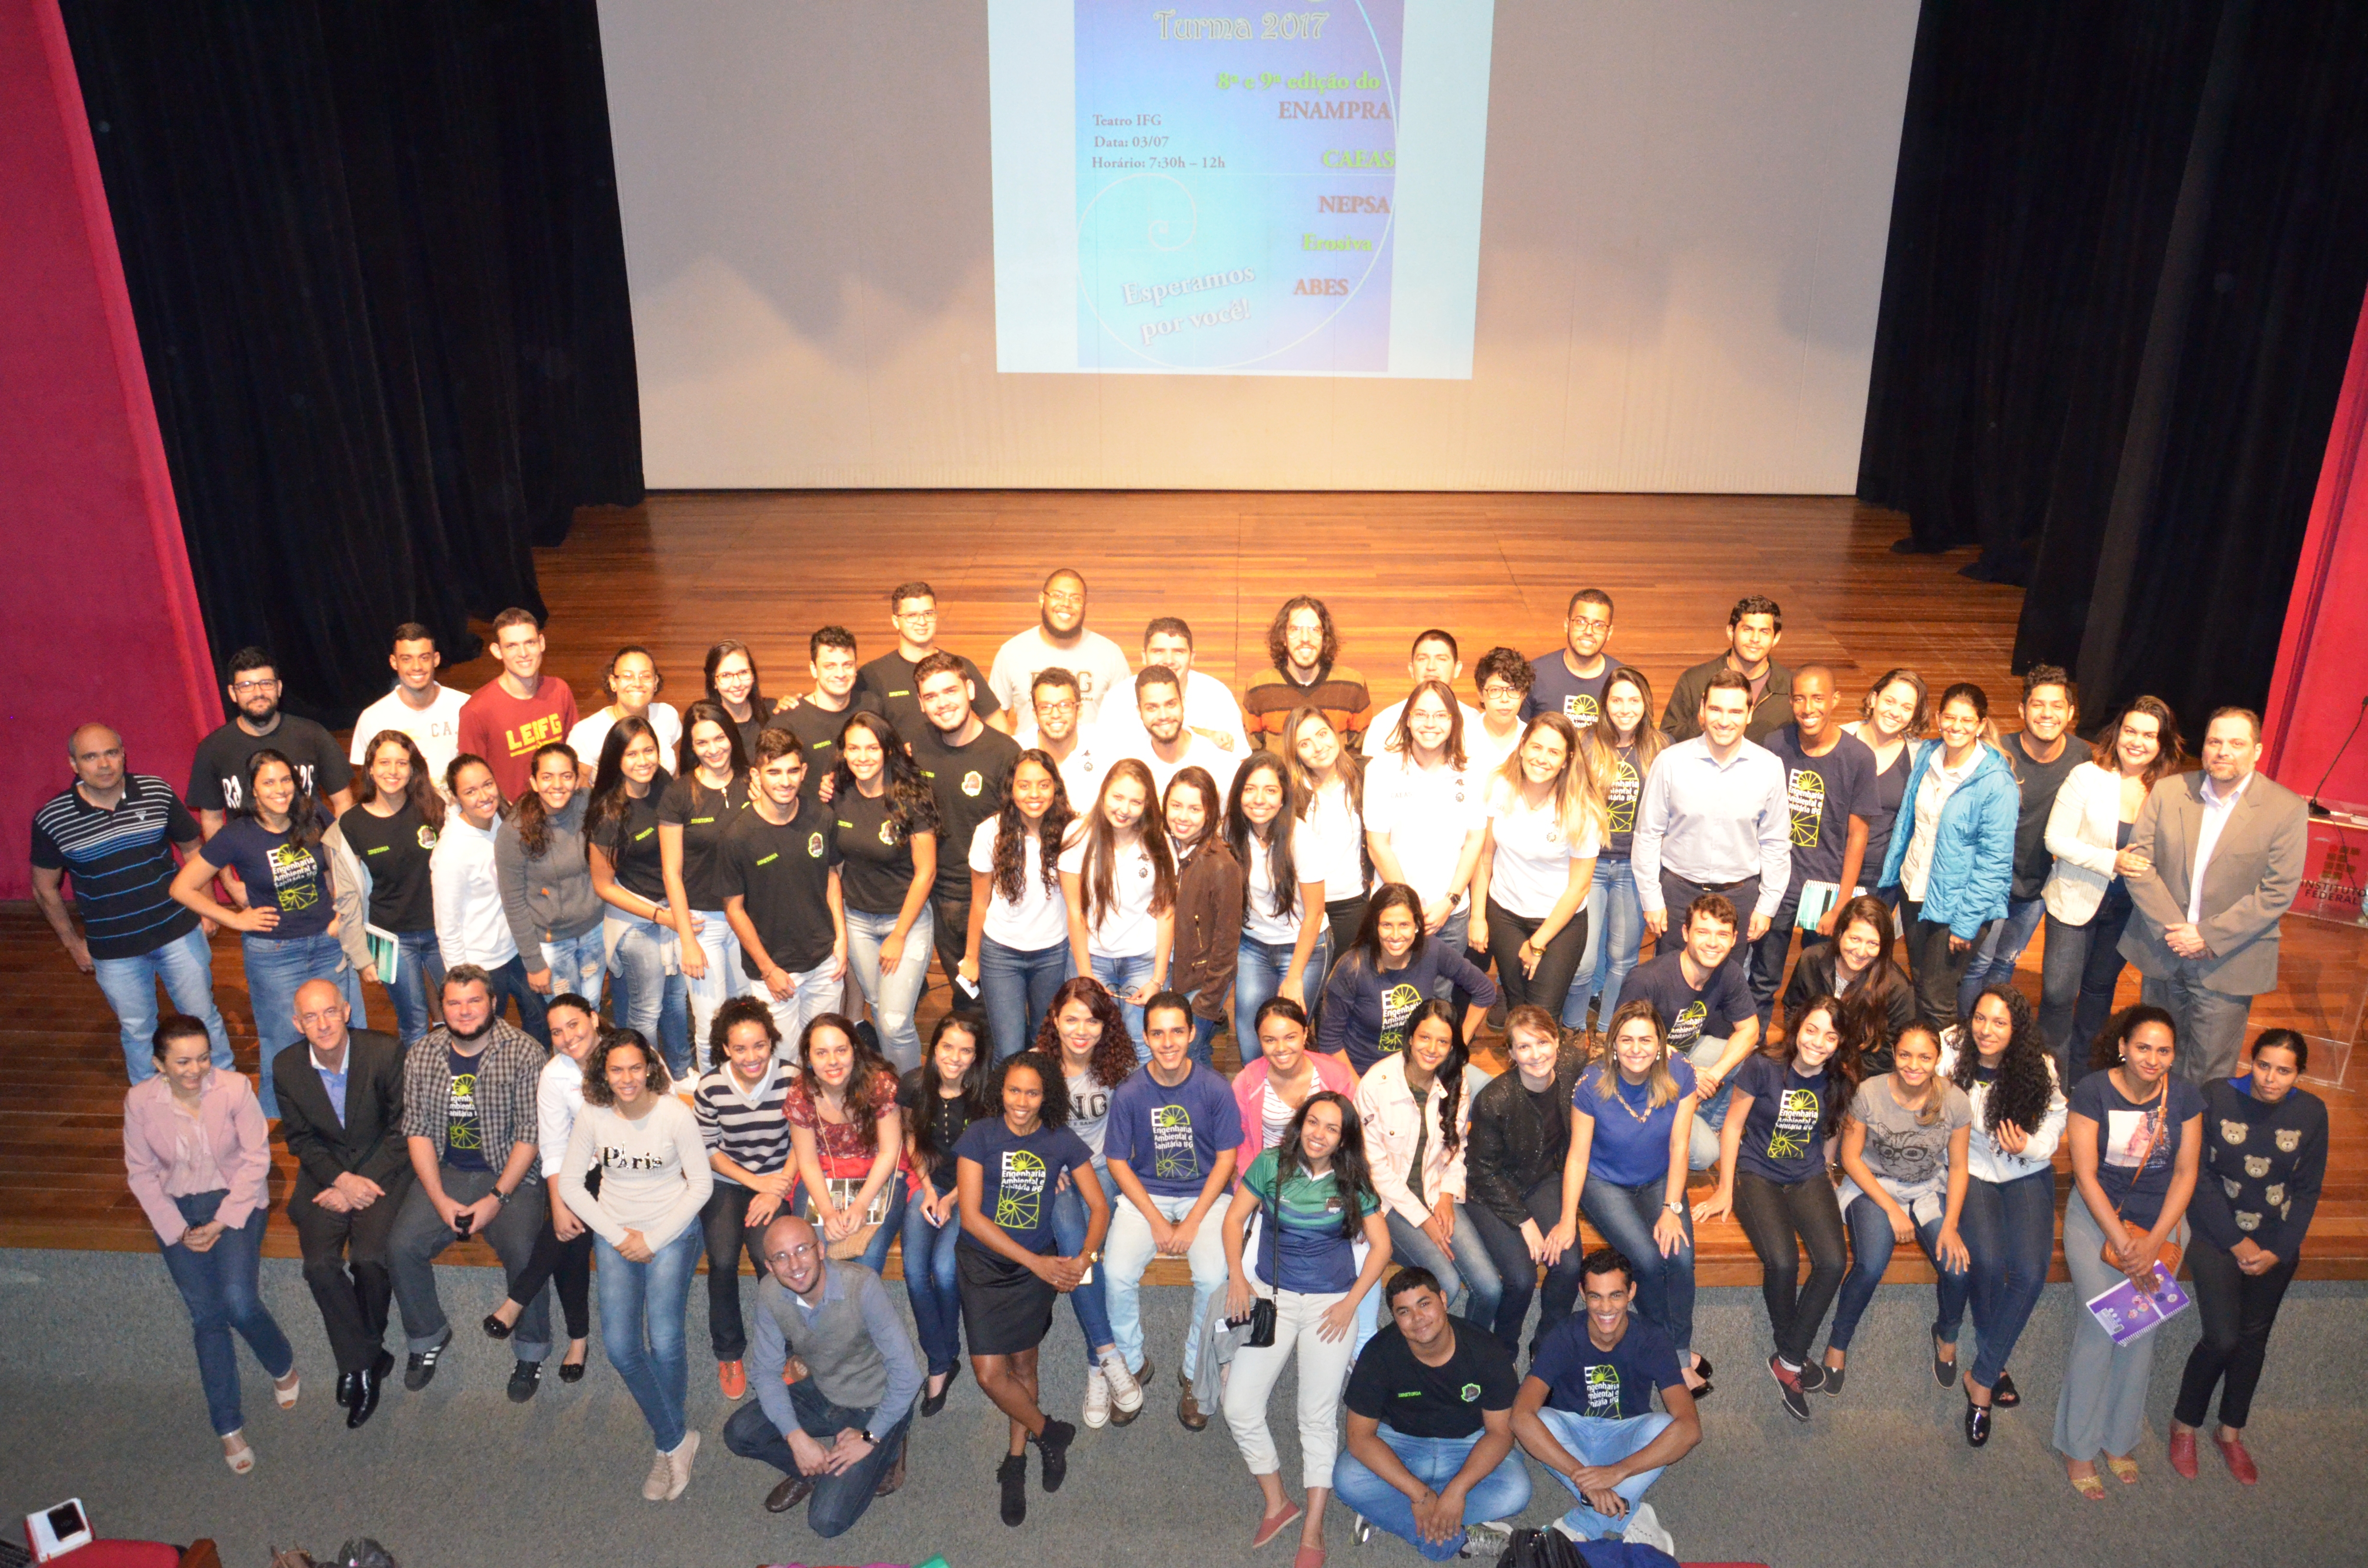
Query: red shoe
{"x": 2183, "y": 1452}
{"x": 734, "y": 1378}
{"x": 2240, "y": 1463}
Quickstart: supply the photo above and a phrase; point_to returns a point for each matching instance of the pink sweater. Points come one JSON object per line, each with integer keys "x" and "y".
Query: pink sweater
{"x": 1250, "y": 1094}
{"x": 232, "y": 1121}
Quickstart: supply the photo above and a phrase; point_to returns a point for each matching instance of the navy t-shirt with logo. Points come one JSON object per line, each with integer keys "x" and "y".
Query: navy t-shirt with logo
{"x": 464, "y": 1120}
{"x": 1712, "y": 1008}
{"x": 1584, "y": 1379}
{"x": 1579, "y": 699}
{"x": 1391, "y": 1384}
{"x": 1821, "y": 794}
{"x": 278, "y": 873}
{"x": 1171, "y": 1138}
{"x": 1784, "y": 1137}
{"x": 1021, "y": 1173}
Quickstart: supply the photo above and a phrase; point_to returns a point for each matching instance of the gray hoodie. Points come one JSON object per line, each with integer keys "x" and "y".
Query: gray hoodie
{"x": 549, "y": 897}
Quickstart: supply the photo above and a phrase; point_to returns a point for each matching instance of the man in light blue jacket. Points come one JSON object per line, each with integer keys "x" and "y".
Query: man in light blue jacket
{"x": 1952, "y": 857}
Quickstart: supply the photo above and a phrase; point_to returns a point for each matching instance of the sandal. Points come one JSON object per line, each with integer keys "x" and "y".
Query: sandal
{"x": 285, "y": 1394}
{"x": 241, "y": 1459}
{"x": 2126, "y": 1471}
{"x": 2091, "y": 1486}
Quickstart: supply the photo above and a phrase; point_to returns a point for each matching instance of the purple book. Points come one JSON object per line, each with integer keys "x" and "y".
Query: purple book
{"x": 2126, "y": 1313}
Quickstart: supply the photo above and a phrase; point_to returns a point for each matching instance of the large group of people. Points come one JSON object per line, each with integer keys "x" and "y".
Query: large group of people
{"x": 1751, "y": 941}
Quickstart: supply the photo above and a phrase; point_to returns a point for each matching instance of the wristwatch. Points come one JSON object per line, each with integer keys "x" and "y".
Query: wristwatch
{"x": 869, "y": 1437}
{"x": 504, "y": 1196}
{"x": 1678, "y": 1207}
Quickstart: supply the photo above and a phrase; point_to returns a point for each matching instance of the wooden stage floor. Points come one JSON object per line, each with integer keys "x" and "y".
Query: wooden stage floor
{"x": 684, "y": 571}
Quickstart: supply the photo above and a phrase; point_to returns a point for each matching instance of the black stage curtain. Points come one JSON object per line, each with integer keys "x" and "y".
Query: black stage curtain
{"x": 2129, "y": 241}
{"x": 374, "y": 253}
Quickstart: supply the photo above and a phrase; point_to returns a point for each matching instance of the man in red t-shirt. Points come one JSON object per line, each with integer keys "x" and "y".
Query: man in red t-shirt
{"x": 522, "y": 711}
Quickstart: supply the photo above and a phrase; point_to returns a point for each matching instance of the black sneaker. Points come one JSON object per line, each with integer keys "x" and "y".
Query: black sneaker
{"x": 1832, "y": 1381}
{"x": 525, "y": 1378}
{"x": 1813, "y": 1376}
{"x": 1788, "y": 1383}
{"x": 1012, "y": 1475}
{"x": 1054, "y": 1447}
{"x": 421, "y": 1370}
{"x": 1943, "y": 1372}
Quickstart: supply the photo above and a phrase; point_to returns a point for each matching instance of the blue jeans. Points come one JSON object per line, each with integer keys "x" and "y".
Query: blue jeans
{"x": 929, "y": 1287}
{"x": 894, "y": 996}
{"x": 2078, "y": 973}
{"x": 723, "y": 981}
{"x": 1501, "y": 1494}
{"x": 577, "y": 964}
{"x": 186, "y": 965}
{"x": 641, "y": 1307}
{"x": 1121, "y": 975}
{"x": 1872, "y": 1243}
{"x": 1665, "y": 1286}
{"x": 275, "y": 971}
{"x": 838, "y": 1500}
{"x": 1203, "y": 1048}
{"x": 1615, "y": 926}
{"x": 1016, "y": 987}
{"x": 1711, "y": 1115}
{"x": 1258, "y": 969}
{"x": 218, "y": 1286}
{"x": 2001, "y": 948}
{"x": 1453, "y": 934}
{"x": 647, "y": 990}
{"x": 1470, "y": 1280}
{"x": 419, "y": 969}
{"x": 2010, "y": 1229}
{"x": 1595, "y": 1440}
{"x": 1091, "y": 1300}
{"x": 509, "y": 980}
{"x": 892, "y": 1222}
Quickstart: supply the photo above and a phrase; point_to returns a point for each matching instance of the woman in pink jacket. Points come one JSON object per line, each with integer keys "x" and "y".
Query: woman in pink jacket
{"x": 198, "y": 1155}
{"x": 1270, "y": 1087}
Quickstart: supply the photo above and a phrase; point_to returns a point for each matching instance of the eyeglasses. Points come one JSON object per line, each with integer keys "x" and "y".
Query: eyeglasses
{"x": 1498, "y": 688}
{"x": 1588, "y": 623}
{"x": 248, "y": 688}
{"x": 915, "y": 614}
{"x": 790, "y": 1254}
{"x": 1056, "y": 707}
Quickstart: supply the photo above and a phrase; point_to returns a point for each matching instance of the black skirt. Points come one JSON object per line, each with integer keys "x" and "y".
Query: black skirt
{"x": 1006, "y": 1308}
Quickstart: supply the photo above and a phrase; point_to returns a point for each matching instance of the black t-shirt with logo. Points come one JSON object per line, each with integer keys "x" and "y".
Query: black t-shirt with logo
{"x": 464, "y": 1120}
{"x": 887, "y": 681}
{"x": 631, "y": 843}
{"x": 1583, "y": 1378}
{"x": 1392, "y": 1386}
{"x": 1712, "y": 1008}
{"x": 876, "y": 857}
{"x": 1619, "y": 798}
{"x": 703, "y": 814}
{"x": 816, "y": 729}
{"x": 969, "y": 783}
{"x": 783, "y": 875}
{"x": 1821, "y": 794}
{"x": 217, "y": 772}
{"x": 394, "y": 851}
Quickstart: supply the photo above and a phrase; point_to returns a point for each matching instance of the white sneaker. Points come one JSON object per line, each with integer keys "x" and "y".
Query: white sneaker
{"x": 1562, "y": 1523}
{"x": 1125, "y": 1391}
{"x": 1098, "y": 1399}
{"x": 1644, "y": 1529}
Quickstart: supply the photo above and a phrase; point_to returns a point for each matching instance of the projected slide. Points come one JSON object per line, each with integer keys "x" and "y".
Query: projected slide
{"x": 1281, "y": 193}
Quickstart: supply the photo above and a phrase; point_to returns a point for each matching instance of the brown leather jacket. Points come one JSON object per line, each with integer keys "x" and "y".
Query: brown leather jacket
{"x": 1209, "y": 892}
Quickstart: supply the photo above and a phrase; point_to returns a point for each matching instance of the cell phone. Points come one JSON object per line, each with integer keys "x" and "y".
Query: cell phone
{"x": 466, "y": 1222}
{"x": 969, "y": 988}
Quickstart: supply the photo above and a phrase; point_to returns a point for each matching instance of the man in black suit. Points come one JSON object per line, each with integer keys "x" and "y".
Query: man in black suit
{"x": 341, "y": 1111}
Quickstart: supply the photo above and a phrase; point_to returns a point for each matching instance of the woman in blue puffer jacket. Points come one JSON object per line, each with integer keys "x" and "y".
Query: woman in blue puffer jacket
{"x": 1952, "y": 857}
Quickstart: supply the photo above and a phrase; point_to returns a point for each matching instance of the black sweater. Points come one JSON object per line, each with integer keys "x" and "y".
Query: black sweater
{"x": 1509, "y": 1149}
{"x": 2263, "y": 1166}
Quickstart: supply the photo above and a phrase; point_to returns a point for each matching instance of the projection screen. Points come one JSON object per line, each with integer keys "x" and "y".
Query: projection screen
{"x": 1431, "y": 244}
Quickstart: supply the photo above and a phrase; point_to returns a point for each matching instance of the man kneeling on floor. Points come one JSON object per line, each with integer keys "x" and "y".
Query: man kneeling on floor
{"x": 1430, "y": 1427}
{"x": 1585, "y": 1410}
{"x": 837, "y": 1434}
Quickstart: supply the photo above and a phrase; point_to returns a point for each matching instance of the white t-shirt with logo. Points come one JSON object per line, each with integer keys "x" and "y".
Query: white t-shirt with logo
{"x": 1039, "y": 920}
{"x": 1532, "y": 860}
{"x": 1427, "y": 814}
{"x": 1127, "y": 928}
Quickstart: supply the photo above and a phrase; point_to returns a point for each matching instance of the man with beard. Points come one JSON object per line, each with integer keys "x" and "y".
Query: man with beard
{"x": 217, "y": 773}
{"x": 1060, "y": 637}
{"x": 1162, "y": 745}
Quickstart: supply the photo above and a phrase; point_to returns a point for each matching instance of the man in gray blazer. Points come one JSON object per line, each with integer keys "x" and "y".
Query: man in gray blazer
{"x": 2226, "y": 847}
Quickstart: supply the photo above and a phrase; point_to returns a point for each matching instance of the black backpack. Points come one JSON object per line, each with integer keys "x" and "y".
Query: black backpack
{"x": 1551, "y": 1549}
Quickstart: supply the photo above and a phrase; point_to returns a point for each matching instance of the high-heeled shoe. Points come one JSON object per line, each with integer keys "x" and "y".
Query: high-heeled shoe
{"x": 241, "y": 1458}
{"x": 285, "y": 1396}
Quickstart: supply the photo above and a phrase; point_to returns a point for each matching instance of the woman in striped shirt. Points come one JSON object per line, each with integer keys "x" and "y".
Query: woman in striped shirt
{"x": 738, "y": 1106}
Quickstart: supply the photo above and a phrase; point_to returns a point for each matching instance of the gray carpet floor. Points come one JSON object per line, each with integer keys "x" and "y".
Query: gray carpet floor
{"x": 101, "y": 1395}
